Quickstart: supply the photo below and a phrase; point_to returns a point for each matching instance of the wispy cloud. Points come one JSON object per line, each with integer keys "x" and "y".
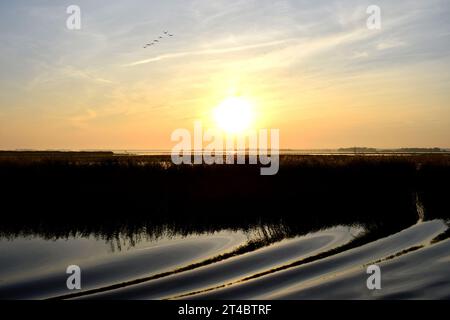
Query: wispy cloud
{"x": 207, "y": 52}
{"x": 82, "y": 120}
{"x": 390, "y": 44}
{"x": 52, "y": 75}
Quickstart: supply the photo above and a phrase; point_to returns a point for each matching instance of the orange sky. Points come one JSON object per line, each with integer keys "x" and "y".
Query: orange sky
{"x": 312, "y": 70}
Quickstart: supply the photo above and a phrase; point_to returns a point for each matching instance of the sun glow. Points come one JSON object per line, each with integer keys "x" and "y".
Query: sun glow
{"x": 234, "y": 115}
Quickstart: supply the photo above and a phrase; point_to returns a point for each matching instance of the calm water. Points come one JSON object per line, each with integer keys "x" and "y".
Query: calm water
{"x": 197, "y": 266}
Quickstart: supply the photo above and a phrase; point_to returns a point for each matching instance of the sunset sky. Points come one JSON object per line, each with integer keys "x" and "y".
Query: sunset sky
{"x": 310, "y": 68}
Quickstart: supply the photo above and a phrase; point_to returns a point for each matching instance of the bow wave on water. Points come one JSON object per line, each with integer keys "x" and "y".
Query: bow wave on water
{"x": 327, "y": 264}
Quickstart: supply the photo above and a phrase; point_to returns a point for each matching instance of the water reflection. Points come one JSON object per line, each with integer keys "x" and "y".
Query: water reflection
{"x": 142, "y": 231}
{"x": 35, "y": 268}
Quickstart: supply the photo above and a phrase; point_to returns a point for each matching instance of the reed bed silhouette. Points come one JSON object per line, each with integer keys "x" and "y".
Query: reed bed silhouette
{"x": 62, "y": 194}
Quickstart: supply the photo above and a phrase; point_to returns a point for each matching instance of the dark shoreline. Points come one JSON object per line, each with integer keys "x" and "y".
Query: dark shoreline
{"x": 56, "y": 195}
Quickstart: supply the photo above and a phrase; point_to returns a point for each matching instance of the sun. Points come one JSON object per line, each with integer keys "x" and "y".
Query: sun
{"x": 234, "y": 115}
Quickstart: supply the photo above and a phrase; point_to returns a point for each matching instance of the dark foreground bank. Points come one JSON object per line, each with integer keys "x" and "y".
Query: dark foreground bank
{"x": 58, "y": 194}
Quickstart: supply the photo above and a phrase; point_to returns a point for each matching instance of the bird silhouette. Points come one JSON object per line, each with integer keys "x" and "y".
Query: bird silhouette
{"x": 157, "y": 40}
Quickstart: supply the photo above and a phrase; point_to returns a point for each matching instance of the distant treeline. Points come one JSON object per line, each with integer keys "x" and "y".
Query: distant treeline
{"x": 58, "y": 154}
{"x": 108, "y": 195}
{"x": 401, "y": 150}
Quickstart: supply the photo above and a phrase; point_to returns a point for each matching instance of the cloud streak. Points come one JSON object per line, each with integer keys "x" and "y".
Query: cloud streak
{"x": 207, "y": 52}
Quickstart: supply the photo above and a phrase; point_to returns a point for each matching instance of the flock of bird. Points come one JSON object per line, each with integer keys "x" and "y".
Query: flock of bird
{"x": 158, "y": 40}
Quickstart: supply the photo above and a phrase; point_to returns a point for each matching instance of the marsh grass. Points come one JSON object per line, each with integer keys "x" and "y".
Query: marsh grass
{"x": 58, "y": 195}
